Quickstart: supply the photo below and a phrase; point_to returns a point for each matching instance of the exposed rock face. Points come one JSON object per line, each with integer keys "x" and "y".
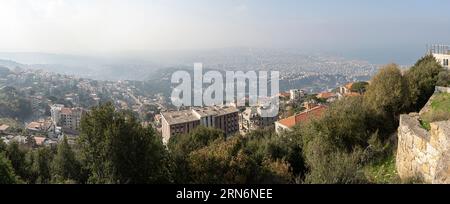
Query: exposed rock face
{"x": 423, "y": 154}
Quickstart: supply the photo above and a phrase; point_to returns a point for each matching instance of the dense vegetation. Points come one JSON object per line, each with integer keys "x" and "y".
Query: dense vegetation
{"x": 422, "y": 79}
{"x": 351, "y": 143}
{"x": 360, "y": 87}
{"x": 13, "y": 104}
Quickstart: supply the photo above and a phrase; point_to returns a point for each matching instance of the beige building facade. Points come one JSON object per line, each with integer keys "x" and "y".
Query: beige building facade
{"x": 182, "y": 122}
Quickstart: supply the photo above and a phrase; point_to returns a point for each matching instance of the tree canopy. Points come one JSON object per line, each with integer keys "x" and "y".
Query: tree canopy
{"x": 388, "y": 91}
{"x": 66, "y": 167}
{"x": 116, "y": 148}
{"x": 422, "y": 79}
{"x": 7, "y": 175}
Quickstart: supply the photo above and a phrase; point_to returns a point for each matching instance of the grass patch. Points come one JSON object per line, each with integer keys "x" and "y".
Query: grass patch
{"x": 441, "y": 102}
{"x": 425, "y": 125}
{"x": 382, "y": 172}
{"x": 439, "y": 110}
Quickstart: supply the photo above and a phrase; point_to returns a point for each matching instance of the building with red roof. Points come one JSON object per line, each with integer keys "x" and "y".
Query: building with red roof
{"x": 288, "y": 123}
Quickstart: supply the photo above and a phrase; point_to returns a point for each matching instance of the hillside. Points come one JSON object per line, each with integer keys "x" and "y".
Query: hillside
{"x": 10, "y": 64}
{"x": 13, "y": 104}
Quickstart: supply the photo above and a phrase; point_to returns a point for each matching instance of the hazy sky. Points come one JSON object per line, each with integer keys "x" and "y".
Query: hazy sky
{"x": 102, "y": 26}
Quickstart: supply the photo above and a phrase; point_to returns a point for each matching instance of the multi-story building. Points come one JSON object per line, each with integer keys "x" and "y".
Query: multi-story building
{"x": 296, "y": 94}
{"x": 55, "y": 113}
{"x": 251, "y": 119}
{"x": 441, "y": 53}
{"x": 67, "y": 118}
{"x": 183, "y": 122}
{"x": 36, "y": 107}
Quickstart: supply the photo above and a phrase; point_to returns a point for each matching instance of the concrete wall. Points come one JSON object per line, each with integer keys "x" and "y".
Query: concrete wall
{"x": 423, "y": 154}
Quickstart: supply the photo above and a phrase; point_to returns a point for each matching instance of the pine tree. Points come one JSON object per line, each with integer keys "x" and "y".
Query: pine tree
{"x": 7, "y": 175}
{"x": 66, "y": 167}
{"x": 41, "y": 166}
{"x": 17, "y": 156}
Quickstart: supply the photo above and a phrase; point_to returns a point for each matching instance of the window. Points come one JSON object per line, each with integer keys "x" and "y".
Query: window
{"x": 445, "y": 62}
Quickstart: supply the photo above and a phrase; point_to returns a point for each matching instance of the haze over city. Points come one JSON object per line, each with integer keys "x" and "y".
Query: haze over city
{"x": 224, "y": 92}
{"x": 377, "y": 31}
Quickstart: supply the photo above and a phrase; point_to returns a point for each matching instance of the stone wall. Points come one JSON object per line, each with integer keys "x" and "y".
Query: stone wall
{"x": 441, "y": 89}
{"x": 423, "y": 154}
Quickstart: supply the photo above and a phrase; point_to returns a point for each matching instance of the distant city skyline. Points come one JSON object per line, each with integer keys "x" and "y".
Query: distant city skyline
{"x": 378, "y": 31}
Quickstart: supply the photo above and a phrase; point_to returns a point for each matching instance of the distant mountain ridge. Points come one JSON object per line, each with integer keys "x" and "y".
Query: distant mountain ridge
{"x": 11, "y": 64}
{"x": 88, "y": 67}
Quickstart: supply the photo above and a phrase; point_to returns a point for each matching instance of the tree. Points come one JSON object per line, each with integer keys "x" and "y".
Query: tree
{"x": 286, "y": 148}
{"x": 328, "y": 165}
{"x": 181, "y": 146}
{"x": 115, "y": 148}
{"x": 7, "y": 175}
{"x": 422, "y": 79}
{"x": 199, "y": 138}
{"x": 443, "y": 78}
{"x": 66, "y": 167}
{"x": 346, "y": 124}
{"x": 17, "y": 156}
{"x": 331, "y": 145}
{"x": 2, "y": 146}
{"x": 388, "y": 92}
{"x": 277, "y": 171}
{"x": 206, "y": 156}
{"x": 229, "y": 162}
{"x": 41, "y": 166}
{"x": 360, "y": 87}
{"x": 13, "y": 104}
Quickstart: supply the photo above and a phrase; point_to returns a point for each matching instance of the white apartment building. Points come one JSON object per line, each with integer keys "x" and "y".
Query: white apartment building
{"x": 296, "y": 94}
{"x": 252, "y": 119}
{"x": 441, "y": 53}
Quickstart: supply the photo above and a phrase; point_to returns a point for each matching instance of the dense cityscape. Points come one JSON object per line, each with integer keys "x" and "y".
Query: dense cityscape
{"x": 56, "y": 101}
{"x": 230, "y": 100}
{"x": 41, "y": 109}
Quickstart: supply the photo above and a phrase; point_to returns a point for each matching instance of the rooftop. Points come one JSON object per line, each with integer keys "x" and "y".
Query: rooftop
{"x": 326, "y": 95}
{"x": 34, "y": 125}
{"x": 285, "y": 94}
{"x": 303, "y": 116}
{"x": 194, "y": 114}
{"x": 177, "y": 117}
{"x": 39, "y": 125}
{"x": 39, "y": 140}
{"x": 214, "y": 111}
{"x": 349, "y": 86}
{"x": 66, "y": 111}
